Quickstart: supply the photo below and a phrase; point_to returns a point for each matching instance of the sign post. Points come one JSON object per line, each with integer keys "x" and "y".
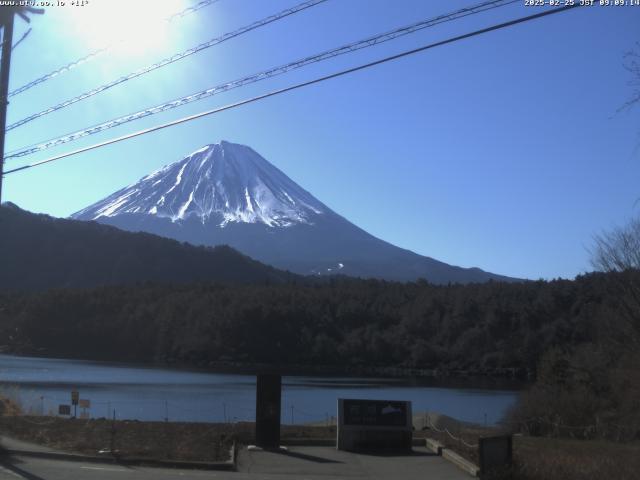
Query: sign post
{"x": 84, "y": 404}
{"x": 75, "y": 397}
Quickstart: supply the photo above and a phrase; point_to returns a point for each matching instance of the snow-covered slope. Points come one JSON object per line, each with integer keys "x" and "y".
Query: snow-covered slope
{"x": 226, "y": 193}
{"x": 223, "y": 183}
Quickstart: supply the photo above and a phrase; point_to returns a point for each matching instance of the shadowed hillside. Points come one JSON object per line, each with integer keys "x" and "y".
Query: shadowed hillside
{"x": 39, "y": 252}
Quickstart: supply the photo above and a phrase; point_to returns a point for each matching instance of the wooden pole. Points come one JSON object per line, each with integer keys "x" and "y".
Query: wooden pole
{"x": 5, "y": 66}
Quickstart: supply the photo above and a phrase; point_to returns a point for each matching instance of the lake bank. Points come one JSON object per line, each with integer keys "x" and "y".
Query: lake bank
{"x": 535, "y": 458}
{"x": 517, "y": 375}
{"x": 153, "y": 393}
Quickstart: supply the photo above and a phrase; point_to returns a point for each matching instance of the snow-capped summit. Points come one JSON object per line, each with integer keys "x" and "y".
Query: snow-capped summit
{"x": 226, "y": 193}
{"x": 222, "y": 182}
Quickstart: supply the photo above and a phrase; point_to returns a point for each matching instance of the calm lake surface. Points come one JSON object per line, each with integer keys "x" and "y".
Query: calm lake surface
{"x": 149, "y": 393}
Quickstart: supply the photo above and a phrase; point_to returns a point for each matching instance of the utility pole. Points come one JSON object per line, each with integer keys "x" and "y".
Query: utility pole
{"x": 6, "y": 20}
{"x": 7, "y": 43}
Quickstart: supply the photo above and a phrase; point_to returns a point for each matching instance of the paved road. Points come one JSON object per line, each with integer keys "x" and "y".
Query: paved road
{"x": 329, "y": 463}
{"x": 299, "y": 463}
{"x": 26, "y": 468}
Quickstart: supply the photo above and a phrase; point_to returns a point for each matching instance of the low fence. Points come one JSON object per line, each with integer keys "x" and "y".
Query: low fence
{"x": 162, "y": 410}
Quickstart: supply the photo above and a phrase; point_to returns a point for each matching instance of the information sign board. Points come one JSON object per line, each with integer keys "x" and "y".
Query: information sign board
{"x": 375, "y": 413}
{"x": 374, "y": 425}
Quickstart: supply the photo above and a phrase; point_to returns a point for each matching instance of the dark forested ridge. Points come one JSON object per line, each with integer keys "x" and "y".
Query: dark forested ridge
{"x": 39, "y": 252}
{"x": 344, "y": 323}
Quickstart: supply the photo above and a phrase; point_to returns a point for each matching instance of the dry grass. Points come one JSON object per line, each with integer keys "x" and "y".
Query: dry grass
{"x": 175, "y": 441}
{"x": 540, "y": 458}
{"x": 130, "y": 438}
{"x": 560, "y": 459}
{"x": 9, "y": 407}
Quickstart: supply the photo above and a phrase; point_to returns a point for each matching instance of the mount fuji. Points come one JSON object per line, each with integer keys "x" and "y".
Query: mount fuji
{"x": 226, "y": 193}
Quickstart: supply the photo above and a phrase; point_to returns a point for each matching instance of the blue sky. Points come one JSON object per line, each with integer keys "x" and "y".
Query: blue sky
{"x": 504, "y": 151}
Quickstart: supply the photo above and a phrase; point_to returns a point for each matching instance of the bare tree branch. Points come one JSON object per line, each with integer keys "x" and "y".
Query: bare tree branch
{"x": 617, "y": 250}
{"x": 632, "y": 65}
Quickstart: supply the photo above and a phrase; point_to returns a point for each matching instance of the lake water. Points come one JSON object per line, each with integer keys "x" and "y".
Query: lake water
{"x": 149, "y": 393}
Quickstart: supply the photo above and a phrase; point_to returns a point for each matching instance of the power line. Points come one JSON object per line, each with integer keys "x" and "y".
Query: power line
{"x": 351, "y": 47}
{"x": 190, "y": 10}
{"x": 24, "y": 35}
{"x": 169, "y": 60}
{"x": 99, "y": 51}
{"x": 298, "y": 85}
{"x": 60, "y": 70}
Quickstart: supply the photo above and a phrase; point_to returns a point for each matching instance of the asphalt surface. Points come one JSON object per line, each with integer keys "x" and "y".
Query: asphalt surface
{"x": 315, "y": 463}
{"x": 27, "y": 468}
{"x": 299, "y": 463}
{"x": 303, "y": 463}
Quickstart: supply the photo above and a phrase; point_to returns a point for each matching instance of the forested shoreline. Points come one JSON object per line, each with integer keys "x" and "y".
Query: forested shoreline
{"x": 342, "y": 325}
